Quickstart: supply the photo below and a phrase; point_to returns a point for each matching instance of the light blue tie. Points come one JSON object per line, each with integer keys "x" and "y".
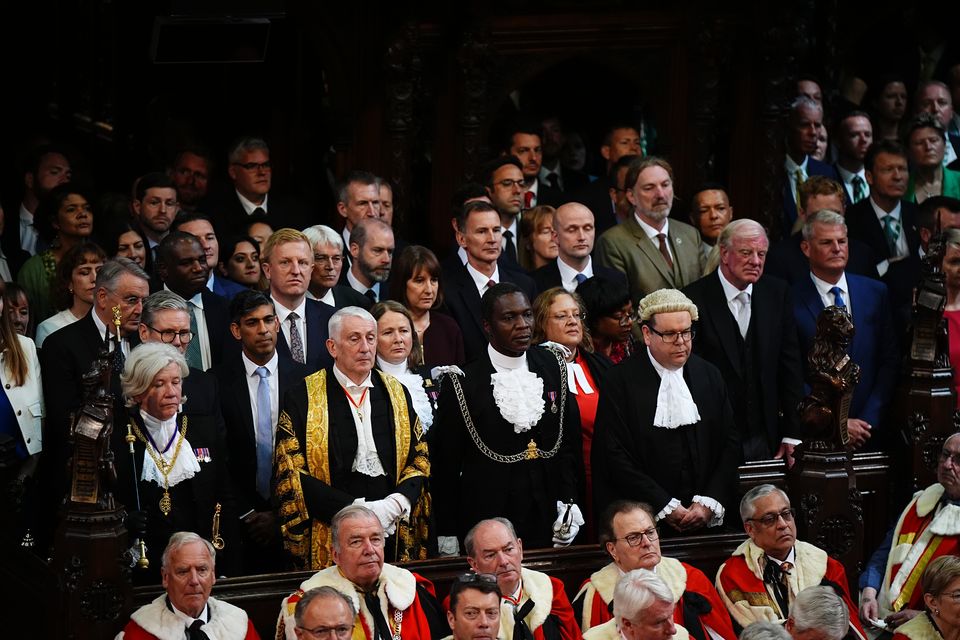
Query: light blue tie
{"x": 838, "y": 297}
{"x": 580, "y": 278}
{"x": 264, "y": 434}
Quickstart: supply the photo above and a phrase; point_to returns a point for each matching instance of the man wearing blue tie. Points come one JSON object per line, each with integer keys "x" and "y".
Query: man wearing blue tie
{"x": 874, "y": 345}
{"x": 252, "y": 383}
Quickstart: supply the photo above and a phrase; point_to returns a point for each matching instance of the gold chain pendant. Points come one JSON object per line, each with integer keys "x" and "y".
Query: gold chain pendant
{"x": 532, "y": 453}
{"x": 165, "y": 504}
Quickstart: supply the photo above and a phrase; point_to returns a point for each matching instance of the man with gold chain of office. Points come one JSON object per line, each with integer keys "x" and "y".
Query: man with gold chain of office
{"x": 349, "y": 435}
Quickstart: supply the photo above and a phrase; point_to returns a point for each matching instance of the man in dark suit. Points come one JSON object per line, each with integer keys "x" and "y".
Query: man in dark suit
{"x": 182, "y": 268}
{"x": 371, "y": 255}
{"x": 621, "y": 140}
{"x": 853, "y": 137}
{"x": 253, "y": 384}
{"x": 478, "y": 233}
{"x": 510, "y": 443}
{"x": 506, "y": 188}
{"x": 523, "y": 142}
{"x": 201, "y": 226}
{"x": 747, "y": 331}
{"x": 154, "y": 208}
{"x": 785, "y": 259}
{"x": 358, "y": 198}
{"x": 665, "y": 433}
{"x": 552, "y": 171}
{"x": 874, "y": 345}
{"x": 575, "y": 232}
{"x": 250, "y": 194}
{"x": 804, "y": 123}
{"x": 45, "y": 167}
{"x": 888, "y": 224}
{"x": 328, "y": 262}
{"x": 287, "y": 261}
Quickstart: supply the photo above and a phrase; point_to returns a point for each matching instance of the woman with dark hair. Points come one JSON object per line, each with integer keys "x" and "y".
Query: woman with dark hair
{"x": 558, "y": 316}
{"x": 17, "y": 309}
{"x": 63, "y": 220}
{"x": 536, "y": 234}
{"x": 76, "y": 284}
{"x": 398, "y": 353}
{"x": 240, "y": 261}
{"x": 889, "y": 105}
{"x": 121, "y": 237}
{"x": 610, "y": 317}
{"x": 415, "y": 283}
{"x": 21, "y": 407}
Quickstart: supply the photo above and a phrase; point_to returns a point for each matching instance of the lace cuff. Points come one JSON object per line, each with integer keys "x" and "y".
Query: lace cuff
{"x": 713, "y": 505}
{"x": 667, "y": 510}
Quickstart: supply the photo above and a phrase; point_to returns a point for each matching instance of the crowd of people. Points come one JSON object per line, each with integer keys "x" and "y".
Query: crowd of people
{"x": 585, "y": 363}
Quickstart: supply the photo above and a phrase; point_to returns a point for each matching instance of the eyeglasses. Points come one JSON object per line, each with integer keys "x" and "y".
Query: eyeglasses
{"x": 955, "y": 596}
{"x": 563, "y": 317}
{"x": 168, "y": 335}
{"x": 473, "y": 578}
{"x": 634, "y": 539}
{"x": 510, "y": 184}
{"x": 771, "y": 518}
{"x": 253, "y": 166}
{"x": 340, "y": 631}
{"x": 624, "y": 319}
{"x": 954, "y": 458}
{"x": 672, "y": 337}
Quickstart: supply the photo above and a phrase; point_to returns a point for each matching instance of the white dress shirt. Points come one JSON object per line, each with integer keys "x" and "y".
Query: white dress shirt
{"x": 367, "y": 460}
{"x": 847, "y": 178}
{"x": 360, "y": 287}
{"x": 482, "y": 280}
{"x": 101, "y": 331}
{"x": 5, "y": 274}
{"x": 250, "y": 207}
{"x": 730, "y": 292}
{"x": 568, "y": 275}
{"x": 826, "y": 296}
{"x": 283, "y": 313}
{"x": 512, "y": 229}
{"x": 253, "y": 386}
{"x": 28, "y": 233}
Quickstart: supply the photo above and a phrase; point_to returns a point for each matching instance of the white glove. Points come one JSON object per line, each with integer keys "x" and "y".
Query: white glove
{"x": 451, "y": 369}
{"x": 568, "y": 523}
{"x": 384, "y": 510}
{"x": 448, "y": 546}
{"x": 556, "y": 346}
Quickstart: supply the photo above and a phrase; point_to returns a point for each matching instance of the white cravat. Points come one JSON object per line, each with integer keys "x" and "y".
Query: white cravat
{"x": 367, "y": 461}
{"x": 413, "y": 382}
{"x": 517, "y": 391}
{"x": 184, "y": 467}
{"x": 575, "y": 377}
{"x": 675, "y": 405}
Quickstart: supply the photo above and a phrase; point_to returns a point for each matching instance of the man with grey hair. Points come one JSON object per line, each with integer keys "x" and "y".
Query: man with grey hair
{"x": 328, "y": 263}
{"x": 358, "y": 198}
{"x": 653, "y": 409}
{"x": 250, "y": 191}
{"x": 818, "y": 613}
{"x": 323, "y": 610}
{"x": 391, "y": 602}
{"x": 764, "y": 631}
{"x": 874, "y": 345}
{"x": 357, "y": 428}
{"x": 933, "y": 97}
{"x": 68, "y": 353}
{"x": 642, "y": 610}
{"x": 371, "y": 254}
{"x": 747, "y": 331}
{"x": 804, "y": 122}
{"x": 529, "y": 599}
{"x": 186, "y": 608}
{"x": 765, "y": 574}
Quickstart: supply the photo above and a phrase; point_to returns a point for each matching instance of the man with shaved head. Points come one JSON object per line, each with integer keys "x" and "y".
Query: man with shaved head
{"x": 574, "y": 229}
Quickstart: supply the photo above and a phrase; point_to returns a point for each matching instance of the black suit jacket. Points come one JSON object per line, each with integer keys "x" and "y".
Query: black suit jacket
{"x": 548, "y": 276}
{"x": 596, "y": 197}
{"x": 463, "y": 300}
{"x": 216, "y": 313}
{"x": 632, "y": 459}
{"x": 317, "y": 356}
{"x": 550, "y": 196}
{"x": 230, "y": 217}
{"x": 347, "y": 296}
{"x": 776, "y": 360}
{"x": 787, "y": 262}
{"x": 469, "y": 486}
{"x": 241, "y": 433}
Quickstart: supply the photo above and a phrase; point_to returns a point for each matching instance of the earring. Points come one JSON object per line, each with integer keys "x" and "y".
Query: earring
{"x": 936, "y": 612}
{"x": 71, "y": 290}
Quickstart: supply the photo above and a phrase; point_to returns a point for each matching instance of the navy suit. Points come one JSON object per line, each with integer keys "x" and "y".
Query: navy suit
{"x": 873, "y": 347}
{"x": 548, "y": 276}
{"x": 225, "y": 287}
{"x": 317, "y": 356}
{"x": 814, "y": 168}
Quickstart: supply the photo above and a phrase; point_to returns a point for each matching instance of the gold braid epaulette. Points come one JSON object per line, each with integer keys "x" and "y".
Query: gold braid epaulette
{"x": 289, "y": 462}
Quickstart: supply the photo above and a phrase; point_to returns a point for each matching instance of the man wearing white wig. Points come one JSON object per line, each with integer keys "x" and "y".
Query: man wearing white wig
{"x": 642, "y": 610}
{"x": 665, "y": 432}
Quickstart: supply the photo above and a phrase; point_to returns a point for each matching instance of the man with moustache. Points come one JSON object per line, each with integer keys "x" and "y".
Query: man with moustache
{"x": 533, "y": 604}
{"x": 665, "y": 433}
{"x": 631, "y": 539}
{"x": 348, "y": 434}
{"x": 391, "y": 602}
{"x": 762, "y": 578}
{"x": 510, "y": 440}
{"x": 653, "y": 251}
{"x": 371, "y": 254}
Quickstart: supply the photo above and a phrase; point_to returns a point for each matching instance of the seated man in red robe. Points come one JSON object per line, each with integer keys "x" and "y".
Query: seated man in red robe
{"x": 643, "y": 609}
{"x": 765, "y": 574}
{"x": 390, "y": 600}
{"x": 529, "y": 598}
{"x": 628, "y": 534}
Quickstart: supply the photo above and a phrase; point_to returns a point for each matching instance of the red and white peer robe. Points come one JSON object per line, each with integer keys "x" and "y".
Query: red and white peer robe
{"x": 926, "y": 530}
{"x": 552, "y": 615}
{"x": 155, "y": 621}
{"x": 609, "y": 631}
{"x": 918, "y": 628}
{"x": 397, "y": 591}
{"x": 748, "y": 599}
{"x": 693, "y": 594}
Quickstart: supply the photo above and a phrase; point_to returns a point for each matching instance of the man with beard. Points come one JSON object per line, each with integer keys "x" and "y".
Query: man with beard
{"x": 510, "y": 442}
{"x": 287, "y": 261}
{"x": 348, "y": 435}
{"x": 371, "y": 253}
{"x": 45, "y": 167}
{"x": 190, "y": 171}
{"x": 154, "y": 207}
{"x": 669, "y": 254}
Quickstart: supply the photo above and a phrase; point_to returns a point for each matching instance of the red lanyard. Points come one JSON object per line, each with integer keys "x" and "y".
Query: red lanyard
{"x": 356, "y": 405}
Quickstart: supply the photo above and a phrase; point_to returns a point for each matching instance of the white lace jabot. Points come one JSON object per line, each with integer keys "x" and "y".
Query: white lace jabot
{"x": 414, "y": 384}
{"x": 185, "y": 466}
{"x": 517, "y": 391}
{"x": 675, "y": 405}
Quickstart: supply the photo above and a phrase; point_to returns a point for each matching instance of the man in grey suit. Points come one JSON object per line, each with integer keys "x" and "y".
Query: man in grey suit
{"x": 653, "y": 251}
